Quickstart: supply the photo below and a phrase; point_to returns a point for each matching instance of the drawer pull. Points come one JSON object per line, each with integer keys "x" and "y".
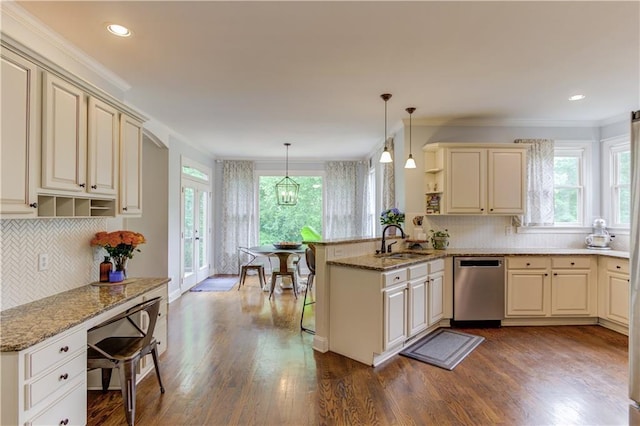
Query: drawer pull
{"x": 94, "y": 186}
{"x": 396, "y": 278}
{"x": 33, "y": 205}
{"x": 573, "y": 263}
{"x": 618, "y": 267}
{"x": 555, "y": 274}
{"x": 82, "y": 185}
{"x": 546, "y": 275}
{"x": 64, "y": 376}
{"x": 64, "y": 421}
{"x": 528, "y": 264}
{"x": 64, "y": 349}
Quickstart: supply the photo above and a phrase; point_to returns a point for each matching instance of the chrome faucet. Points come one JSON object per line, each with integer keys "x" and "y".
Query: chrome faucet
{"x": 383, "y": 247}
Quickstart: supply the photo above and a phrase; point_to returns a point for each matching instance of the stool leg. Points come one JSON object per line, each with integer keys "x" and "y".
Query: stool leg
{"x": 295, "y": 284}
{"x": 274, "y": 275}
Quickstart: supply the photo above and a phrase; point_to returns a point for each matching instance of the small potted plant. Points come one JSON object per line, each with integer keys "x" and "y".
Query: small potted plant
{"x": 391, "y": 216}
{"x": 439, "y": 239}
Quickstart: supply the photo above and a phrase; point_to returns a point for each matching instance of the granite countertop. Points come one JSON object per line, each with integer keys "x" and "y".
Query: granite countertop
{"x": 384, "y": 263}
{"x": 31, "y": 323}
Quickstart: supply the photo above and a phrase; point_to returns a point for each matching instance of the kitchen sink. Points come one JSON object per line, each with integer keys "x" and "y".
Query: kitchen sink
{"x": 404, "y": 255}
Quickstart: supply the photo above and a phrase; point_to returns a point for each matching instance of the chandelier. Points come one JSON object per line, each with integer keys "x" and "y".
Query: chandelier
{"x": 287, "y": 189}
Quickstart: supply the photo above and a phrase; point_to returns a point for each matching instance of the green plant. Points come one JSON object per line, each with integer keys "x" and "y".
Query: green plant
{"x": 391, "y": 216}
{"x": 439, "y": 234}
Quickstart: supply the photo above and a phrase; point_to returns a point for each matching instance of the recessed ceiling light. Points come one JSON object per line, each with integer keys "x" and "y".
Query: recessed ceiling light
{"x": 576, "y": 97}
{"x": 119, "y": 30}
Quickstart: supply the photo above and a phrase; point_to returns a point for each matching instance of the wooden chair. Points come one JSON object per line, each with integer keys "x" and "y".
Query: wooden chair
{"x": 125, "y": 353}
{"x": 248, "y": 264}
{"x": 310, "y": 258}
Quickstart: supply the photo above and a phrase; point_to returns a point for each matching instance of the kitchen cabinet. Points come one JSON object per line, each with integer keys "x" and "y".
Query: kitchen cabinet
{"x": 436, "y": 291}
{"x": 475, "y": 179}
{"x": 103, "y": 148}
{"x": 47, "y": 382}
{"x": 20, "y": 138}
{"x": 418, "y": 298}
{"x": 563, "y": 286}
{"x": 130, "y": 199}
{"x": 614, "y": 293}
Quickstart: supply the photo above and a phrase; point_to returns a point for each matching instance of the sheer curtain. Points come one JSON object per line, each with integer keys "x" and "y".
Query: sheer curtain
{"x": 540, "y": 199}
{"x": 634, "y": 262}
{"x": 346, "y": 197}
{"x": 238, "y": 214}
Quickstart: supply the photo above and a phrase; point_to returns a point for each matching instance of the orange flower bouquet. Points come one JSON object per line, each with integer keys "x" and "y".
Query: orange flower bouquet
{"x": 120, "y": 245}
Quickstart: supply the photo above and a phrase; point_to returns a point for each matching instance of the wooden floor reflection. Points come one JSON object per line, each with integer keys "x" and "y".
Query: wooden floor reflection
{"x": 236, "y": 358}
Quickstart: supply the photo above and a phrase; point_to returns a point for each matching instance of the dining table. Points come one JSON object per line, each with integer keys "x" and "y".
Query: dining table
{"x": 281, "y": 253}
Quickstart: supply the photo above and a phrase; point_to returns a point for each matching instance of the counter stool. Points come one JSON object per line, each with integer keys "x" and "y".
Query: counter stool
{"x": 310, "y": 257}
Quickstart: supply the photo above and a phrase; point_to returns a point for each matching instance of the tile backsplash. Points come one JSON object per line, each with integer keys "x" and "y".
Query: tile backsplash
{"x": 72, "y": 261}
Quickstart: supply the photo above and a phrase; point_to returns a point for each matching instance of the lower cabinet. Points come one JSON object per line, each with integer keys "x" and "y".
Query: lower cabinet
{"x": 562, "y": 286}
{"x": 614, "y": 289}
{"x": 373, "y": 314}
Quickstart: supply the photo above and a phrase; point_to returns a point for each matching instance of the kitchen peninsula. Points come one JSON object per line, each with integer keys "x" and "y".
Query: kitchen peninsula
{"x": 44, "y": 348}
{"x": 364, "y": 312}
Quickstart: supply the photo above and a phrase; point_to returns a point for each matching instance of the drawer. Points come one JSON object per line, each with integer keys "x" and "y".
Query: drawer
{"x": 55, "y": 380}
{"x": 618, "y": 265}
{"x": 159, "y": 292}
{"x": 436, "y": 266}
{"x": 394, "y": 277}
{"x": 54, "y": 352}
{"x": 527, "y": 262}
{"x": 71, "y": 409}
{"x": 568, "y": 262}
{"x": 421, "y": 270}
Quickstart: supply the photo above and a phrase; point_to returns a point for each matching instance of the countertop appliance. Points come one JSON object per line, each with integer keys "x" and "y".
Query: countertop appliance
{"x": 600, "y": 238}
{"x": 478, "y": 290}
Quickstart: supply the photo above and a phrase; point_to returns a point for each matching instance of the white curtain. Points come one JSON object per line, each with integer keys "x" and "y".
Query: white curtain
{"x": 634, "y": 262}
{"x": 388, "y": 180}
{"x": 540, "y": 197}
{"x": 346, "y": 194}
{"x": 238, "y": 214}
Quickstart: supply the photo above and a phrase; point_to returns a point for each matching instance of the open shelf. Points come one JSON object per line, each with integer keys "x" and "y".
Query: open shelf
{"x": 65, "y": 206}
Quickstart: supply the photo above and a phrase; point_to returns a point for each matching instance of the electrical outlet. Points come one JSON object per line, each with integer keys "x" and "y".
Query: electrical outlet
{"x": 43, "y": 262}
{"x": 508, "y": 230}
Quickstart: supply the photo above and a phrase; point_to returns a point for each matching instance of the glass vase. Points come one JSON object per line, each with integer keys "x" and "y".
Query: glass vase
{"x": 120, "y": 263}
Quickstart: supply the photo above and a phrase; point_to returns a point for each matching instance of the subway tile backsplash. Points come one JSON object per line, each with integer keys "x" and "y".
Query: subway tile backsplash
{"x": 72, "y": 261}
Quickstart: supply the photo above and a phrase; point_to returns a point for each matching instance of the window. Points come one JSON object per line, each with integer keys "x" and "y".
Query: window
{"x": 283, "y": 223}
{"x": 616, "y": 182}
{"x": 568, "y": 187}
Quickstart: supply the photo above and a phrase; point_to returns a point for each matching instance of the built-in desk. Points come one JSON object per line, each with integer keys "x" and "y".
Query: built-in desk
{"x": 43, "y": 348}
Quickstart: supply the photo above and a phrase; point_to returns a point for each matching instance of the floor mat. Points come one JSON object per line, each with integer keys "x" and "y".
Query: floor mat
{"x": 216, "y": 284}
{"x": 443, "y": 348}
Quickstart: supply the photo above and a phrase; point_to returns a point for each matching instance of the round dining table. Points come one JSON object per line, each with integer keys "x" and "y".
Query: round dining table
{"x": 283, "y": 257}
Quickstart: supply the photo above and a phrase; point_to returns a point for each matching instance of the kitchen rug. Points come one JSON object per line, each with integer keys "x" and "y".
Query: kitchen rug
{"x": 443, "y": 348}
{"x": 216, "y": 284}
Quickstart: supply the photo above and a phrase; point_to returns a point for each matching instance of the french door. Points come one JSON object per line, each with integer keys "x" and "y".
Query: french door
{"x": 196, "y": 233}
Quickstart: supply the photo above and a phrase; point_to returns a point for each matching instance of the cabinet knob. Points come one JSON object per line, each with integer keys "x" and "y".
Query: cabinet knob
{"x": 554, "y": 274}
{"x": 617, "y": 266}
{"x": 528, "y": 264}
{"x": 124, "y": 208}
{"x": 491, "y": 210}
{"x": 64, "y": 349}
{"x": 396, "y": 278}
{"x": 481, "y": 210}
{"x": 94, "y": 186}
{"x": 573, "y": 263}
{"x": 64, "y": 421}
{"x": 82, "y": 185}
{"x": 546, "y": 275}
{"x": 64, "y": 376}
{"x": 33, "y": 205}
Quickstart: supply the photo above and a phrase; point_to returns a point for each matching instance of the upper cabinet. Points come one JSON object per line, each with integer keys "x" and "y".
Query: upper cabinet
{"x": 68, "y": 149}
{"x": 19, "y": 116}
{"x": 476, "y": 179}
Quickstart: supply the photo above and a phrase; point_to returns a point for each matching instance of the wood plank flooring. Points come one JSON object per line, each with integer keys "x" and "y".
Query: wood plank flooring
{"x": 236, "y": 358}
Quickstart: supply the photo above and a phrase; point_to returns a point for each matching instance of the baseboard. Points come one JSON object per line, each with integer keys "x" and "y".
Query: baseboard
{"x": 476, "y": 324}
{"x": 613, "y": 326}
{"x": 320, "y": 344}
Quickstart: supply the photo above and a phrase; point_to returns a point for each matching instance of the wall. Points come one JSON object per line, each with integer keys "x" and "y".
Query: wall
{"x": 72, "y": 261}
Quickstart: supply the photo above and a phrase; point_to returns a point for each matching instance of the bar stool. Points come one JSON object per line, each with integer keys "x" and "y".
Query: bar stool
{"x": 310, "y": 257}
{"x": 249, "y": 265}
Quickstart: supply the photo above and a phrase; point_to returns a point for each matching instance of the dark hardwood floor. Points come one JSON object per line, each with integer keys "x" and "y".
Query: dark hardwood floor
{"x": 236, "y": 358}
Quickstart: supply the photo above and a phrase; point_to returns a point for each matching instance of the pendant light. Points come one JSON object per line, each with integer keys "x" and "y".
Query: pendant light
{"x": 411, "y": 163}
{"x": 386, "y": 155}
{"x": 287, "y": 189}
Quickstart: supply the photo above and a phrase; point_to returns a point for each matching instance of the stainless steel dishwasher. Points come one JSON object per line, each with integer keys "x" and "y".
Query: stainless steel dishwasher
{"x": 478, "y": 290}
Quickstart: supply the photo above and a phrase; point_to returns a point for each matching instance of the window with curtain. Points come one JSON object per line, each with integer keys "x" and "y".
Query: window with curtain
{"x": 346, "y": 199}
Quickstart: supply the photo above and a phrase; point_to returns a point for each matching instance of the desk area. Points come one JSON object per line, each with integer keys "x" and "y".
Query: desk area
{"x": 43, "y": 349}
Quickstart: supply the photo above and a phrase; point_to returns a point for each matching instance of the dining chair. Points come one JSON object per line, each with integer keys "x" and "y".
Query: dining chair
{"x": 249, "y": 264}
{"x": 285, "y": 271}
{"x": 125, "y": 352}
{"x": 310, "y": 258}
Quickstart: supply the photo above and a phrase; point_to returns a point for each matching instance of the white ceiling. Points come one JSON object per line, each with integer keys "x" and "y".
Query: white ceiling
{"x": 241, "y": 78}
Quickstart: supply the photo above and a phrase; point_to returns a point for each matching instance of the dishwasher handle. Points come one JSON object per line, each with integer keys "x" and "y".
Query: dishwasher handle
{"x": 479, "y": 263}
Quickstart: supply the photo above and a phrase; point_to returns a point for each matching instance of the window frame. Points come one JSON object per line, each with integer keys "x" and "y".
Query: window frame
{"x": 610, "y": 148}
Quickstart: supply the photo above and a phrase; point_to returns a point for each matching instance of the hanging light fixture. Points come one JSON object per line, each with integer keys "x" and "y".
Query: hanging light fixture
{"x": 287, "y": 189}
{"x": 411, "y": 163}
{"x": 386, "y": 155}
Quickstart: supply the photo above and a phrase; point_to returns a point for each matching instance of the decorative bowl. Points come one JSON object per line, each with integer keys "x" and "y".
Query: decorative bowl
{"x": 287, "y": 245}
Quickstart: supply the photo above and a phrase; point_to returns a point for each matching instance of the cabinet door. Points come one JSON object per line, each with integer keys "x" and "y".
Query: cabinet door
{"x": 418, "y": 297}
{"x": 395, "y": 316}
{"x": 506, "y": 189}
{"x": 130, "y": 166}
{"x": 64, "y": 133}
{"x": 103, "y": 144}
{"x": 466, "y": 180}
{"x": 570, "y": 293}
{"x": 617, "y": 298}
{"x": 436, "y": 297}
{"x": 527, "y": 293}
{"x": 18, "y": 136}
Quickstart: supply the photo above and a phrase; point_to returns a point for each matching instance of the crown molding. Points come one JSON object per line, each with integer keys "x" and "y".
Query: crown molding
{"x": 15, "y": 18}
{"x": 620, "y": 118}
{"x": 498, "y": 122}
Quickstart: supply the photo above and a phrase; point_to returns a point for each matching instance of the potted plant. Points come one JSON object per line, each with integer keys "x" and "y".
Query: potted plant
{"x": 439, "y": 239}
{"x": 392, "y": 216}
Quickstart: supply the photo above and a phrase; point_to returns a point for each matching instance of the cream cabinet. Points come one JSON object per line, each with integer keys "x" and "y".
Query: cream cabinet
{"x": 395, "y": 316}
{"x": 19, "y": 135}
{"x": 436, "y": 291}
{"x": 130, "y": 199}
{"x": 418, "y": 298}
{"x": 103, "y": 148}
{"x": 47, "y": 382}
{"x": 475, "y": 179}
{"x": 562, "y": 286}
{"x": 614, "y": 292}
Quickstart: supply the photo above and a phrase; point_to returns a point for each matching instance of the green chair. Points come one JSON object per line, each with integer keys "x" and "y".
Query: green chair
{"x": 309, "y": 234}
